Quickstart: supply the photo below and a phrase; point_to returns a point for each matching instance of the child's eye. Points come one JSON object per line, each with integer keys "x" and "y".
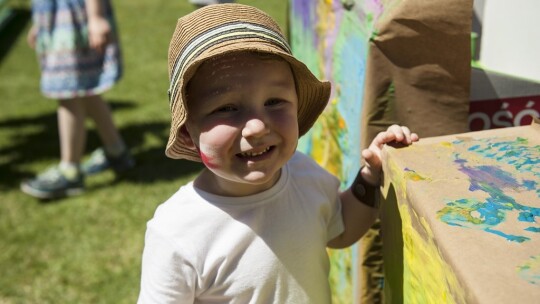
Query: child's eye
{"x": 274, "y": 101}
{"x": 225, "y": 109}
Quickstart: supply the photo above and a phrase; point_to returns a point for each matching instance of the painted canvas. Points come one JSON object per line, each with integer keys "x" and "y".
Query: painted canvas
{"x": 463, "y": 215}
{"x": 408, "y": 61}
{"x": 323, "y": 34}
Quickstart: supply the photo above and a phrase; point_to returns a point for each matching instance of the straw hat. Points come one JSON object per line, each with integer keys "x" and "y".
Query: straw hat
{"x": 222, "y": 28}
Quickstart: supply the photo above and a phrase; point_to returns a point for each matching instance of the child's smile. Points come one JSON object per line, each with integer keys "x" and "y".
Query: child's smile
{"x": 243, "y": 120}
{"x": 253, "y": 154}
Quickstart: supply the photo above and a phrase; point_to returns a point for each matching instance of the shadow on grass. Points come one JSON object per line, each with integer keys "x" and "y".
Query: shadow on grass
{"x": 13, "y": 27}
{"x": 33, "y": 139}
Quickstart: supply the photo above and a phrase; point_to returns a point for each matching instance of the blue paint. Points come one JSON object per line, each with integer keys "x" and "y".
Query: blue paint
{"x": 498, "y": 184}
{"x": 350, "y": 73}
{"x": 509, "y": 237}
{"x": 526, "y": 217}
{"x": 530, "y": 184}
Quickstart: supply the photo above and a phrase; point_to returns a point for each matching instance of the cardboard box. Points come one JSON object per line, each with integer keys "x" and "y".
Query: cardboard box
{"x": 461, "y": 218}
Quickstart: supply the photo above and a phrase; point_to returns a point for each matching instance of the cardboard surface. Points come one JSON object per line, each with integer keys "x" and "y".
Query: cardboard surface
{"x": 461, "y": 220}
{"x": 418, "y": 69}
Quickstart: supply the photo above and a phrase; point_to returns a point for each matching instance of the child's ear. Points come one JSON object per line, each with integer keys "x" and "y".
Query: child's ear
{"x": 186, "y": 138}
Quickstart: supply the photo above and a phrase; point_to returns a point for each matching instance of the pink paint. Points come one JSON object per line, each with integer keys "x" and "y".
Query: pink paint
{"x": 207, "y": 161}
{"x": 376, "y": 7}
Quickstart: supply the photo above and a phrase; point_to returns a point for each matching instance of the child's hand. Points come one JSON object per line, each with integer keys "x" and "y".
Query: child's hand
{"x": 373, "y": 165}
{"x": 99, "y": 31}
{"x": 31, "y": 36}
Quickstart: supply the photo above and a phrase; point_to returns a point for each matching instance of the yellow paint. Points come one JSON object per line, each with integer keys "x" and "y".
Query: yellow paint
{"x": 340, "y": 276}
{"x": 342, "y": 124}
{"x": 427, "y": 278}
{"x": 464, "y": 212}
{"x": 326, "y": 18}
{"x": 400, "y": 184}
{"x": 411, "y": 175}
{"x": 326, "y": 150}
{"x": 446, "y": 144}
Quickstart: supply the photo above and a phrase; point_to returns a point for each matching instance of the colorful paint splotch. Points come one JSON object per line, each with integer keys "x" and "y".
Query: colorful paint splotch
{"x": 331, "y": 37}
{"x": 499, "y": 182}
{"x": 428, "y": 278}
{"x": 475, "y": 195}
{"x": 530, "y": 270}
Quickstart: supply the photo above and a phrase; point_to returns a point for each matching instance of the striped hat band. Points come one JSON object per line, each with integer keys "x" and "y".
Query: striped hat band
{"x": 220, "y": 34}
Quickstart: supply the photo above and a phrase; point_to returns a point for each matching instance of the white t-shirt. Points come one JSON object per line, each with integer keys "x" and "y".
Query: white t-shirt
{"x": 265, "y": 248}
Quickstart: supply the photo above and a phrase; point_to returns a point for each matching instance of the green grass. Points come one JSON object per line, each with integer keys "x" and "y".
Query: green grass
{"x": 88, "y": 249}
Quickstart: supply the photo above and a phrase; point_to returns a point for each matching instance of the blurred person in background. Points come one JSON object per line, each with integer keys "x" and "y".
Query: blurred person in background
{"x": 78, "y": 50}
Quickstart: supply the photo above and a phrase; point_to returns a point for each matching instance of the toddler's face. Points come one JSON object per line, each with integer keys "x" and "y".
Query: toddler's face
{"x": 243, "y": 120}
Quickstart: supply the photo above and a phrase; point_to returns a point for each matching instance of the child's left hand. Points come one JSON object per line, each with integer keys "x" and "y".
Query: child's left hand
{"x": 373, "y": 165}
{"x": 99, "y": 33}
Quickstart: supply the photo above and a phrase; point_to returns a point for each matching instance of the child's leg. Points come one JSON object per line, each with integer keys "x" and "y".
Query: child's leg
{"x": 65, "y": 179}
{"x": 71, "y": 116}
{"x": 114, "y": 154}
{"x": 99, "y": 111}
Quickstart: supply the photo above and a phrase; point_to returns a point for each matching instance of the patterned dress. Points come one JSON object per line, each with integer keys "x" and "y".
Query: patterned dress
{"x": 69, "y": 68}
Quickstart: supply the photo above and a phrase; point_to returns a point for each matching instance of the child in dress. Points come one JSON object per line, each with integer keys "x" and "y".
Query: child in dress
{"x": 254, "y": 225}
{"x": 79, "y": 55}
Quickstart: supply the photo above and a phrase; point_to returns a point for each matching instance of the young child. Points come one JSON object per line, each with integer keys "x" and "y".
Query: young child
{"x": 79, "y": 55}
{"x": 253, "y": 227}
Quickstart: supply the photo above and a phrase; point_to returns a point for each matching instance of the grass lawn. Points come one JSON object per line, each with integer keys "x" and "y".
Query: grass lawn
{"x": 87, "y": 249}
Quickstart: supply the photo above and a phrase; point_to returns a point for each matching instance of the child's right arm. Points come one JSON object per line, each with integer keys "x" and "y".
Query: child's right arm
{"x": 357, "y": 219}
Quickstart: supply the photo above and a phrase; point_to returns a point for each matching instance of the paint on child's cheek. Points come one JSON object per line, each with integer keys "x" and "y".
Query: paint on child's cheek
{"x": 207, "y": 161}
